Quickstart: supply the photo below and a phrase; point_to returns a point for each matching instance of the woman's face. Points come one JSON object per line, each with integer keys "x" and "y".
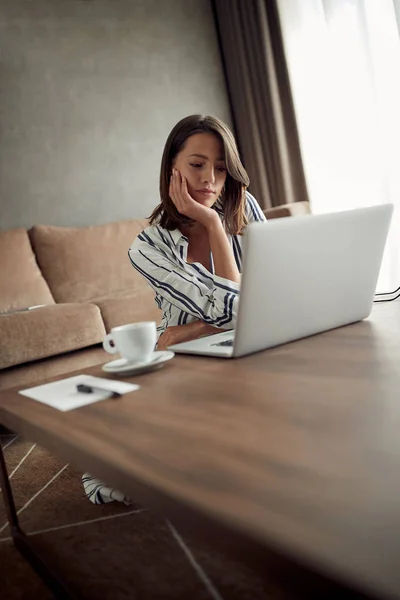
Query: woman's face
{"x": 202, "y": 162}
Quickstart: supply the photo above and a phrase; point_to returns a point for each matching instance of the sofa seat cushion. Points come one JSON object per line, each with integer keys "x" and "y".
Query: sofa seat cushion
{"x": 129, "y": 306}
{"x": 22, "y": 283}
{"x": 34, "y": 373}
{"x": 83, "y": 263}
{"x": 48, "y": 331}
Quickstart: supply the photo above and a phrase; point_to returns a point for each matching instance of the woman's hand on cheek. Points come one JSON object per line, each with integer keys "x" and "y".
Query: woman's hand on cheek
{"x": 185, "y": 204}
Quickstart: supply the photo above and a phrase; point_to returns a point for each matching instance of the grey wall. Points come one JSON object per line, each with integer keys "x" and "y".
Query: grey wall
{"x": 89, "y": 91}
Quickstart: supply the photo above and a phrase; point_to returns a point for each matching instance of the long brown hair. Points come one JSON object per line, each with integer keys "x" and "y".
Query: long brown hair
{"x": 232, "y": 200}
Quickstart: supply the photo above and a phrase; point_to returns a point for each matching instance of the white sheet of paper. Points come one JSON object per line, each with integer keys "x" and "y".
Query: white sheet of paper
{"x": 64, "y": 396}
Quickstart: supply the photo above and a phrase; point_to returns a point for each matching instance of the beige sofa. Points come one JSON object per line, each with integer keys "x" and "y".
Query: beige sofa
{"x": 84, "y": 284}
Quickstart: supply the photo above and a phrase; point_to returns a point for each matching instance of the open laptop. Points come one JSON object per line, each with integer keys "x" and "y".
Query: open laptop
{"x": 301, "y": 276}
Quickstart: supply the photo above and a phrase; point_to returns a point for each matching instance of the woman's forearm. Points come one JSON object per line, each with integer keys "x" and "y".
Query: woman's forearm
{"x": 176, "y": 334}
{"x": 224, "y": 260}
{"x": 199, "y": 329}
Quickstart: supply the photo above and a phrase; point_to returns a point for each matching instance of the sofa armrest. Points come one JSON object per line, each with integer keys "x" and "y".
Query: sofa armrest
{"x": 288, "y": 210}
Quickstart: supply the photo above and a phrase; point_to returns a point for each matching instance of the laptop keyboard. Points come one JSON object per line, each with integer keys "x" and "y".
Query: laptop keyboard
{"x": 224, "y": 343}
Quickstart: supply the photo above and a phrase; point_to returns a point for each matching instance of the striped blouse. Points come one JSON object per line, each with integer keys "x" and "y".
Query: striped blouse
{"x": 187, "y": 292}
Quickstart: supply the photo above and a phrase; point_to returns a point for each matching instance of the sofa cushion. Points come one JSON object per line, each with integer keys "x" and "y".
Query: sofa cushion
{"x": 84, "y": 263}
{"x": 22, "y": 283}
{"x": 48, "y": 331}
{"x": 129, "y": 307}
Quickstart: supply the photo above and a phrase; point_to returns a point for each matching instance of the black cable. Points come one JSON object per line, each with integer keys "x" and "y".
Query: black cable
{"x": 388, "y": 294}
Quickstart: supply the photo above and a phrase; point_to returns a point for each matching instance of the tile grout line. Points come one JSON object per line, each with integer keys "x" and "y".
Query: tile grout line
{"x": 66, "y": 526}
{"x": 212, "y": 590}
{"x": 10, "y": 442}
{"x": 22, "y": 459}
{"x": 35, "y": 495}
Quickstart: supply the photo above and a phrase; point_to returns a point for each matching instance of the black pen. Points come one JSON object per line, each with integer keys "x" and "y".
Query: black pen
{"x": 90, "y": 389}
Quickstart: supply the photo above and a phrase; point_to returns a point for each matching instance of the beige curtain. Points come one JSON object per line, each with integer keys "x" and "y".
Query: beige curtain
{"x": 261, "y": 102}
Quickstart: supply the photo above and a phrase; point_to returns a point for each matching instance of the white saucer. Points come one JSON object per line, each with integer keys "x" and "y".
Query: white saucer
{"x": 124, "y": 367}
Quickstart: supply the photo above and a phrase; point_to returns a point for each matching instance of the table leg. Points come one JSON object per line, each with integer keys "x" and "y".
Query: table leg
{"x": 24, "y": 545}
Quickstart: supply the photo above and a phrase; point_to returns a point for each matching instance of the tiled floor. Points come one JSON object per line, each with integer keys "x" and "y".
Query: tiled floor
{"x": 118, "y": 552}
{"x": 110, "y": 551}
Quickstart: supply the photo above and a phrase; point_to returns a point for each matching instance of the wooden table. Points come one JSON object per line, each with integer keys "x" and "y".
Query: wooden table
{"x": 296, "y": 448}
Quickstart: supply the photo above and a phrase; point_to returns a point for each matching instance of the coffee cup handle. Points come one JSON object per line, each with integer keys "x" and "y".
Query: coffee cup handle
{"x": 109, "y": 345}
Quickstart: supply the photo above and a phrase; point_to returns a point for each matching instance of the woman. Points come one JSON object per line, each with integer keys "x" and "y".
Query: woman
{"x": 191, "y": 254}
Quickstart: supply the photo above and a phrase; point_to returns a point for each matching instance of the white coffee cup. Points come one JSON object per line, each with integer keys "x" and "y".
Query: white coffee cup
{"x": 135, "y": 341}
